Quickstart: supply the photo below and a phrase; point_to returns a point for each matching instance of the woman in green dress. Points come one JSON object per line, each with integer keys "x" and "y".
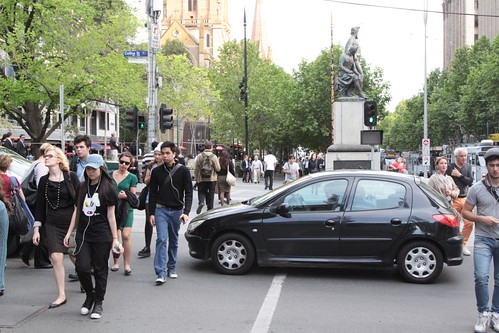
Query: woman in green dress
{"x": 124, "y": 181}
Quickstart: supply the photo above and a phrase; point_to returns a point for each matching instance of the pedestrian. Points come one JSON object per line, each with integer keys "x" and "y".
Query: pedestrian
{"x": 126, "y": 186}
{"x": 313, "y": 164}
{"x": 96, "y": 233}
{"x": 246, "y": 168}
{"x": 256, "y": 169}
{"x": 441, "y": 182}
{"x": 291, "y": 170}
{"x": 41, "y": 253}
{"x": 170, "y": 201}
{"x": 205, "y": 172}
{"x": 461, "y": 173}
{"x": 7, "y": 142}
{"x": 158, "y": 159}
{"x": 21, "y": 146}
{"x": 55, "y": 202}
{"x": 82, "y": 144}
{"x": 113, "y": 144}
{"x": 5, "y": 208}
{"x": 226, "y": 165}
{"x": 484, "y": 196}
{"x": 269, "y": 164}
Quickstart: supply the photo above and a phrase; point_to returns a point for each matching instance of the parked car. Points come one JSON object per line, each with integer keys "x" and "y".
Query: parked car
{"x": 18, "y": 169}
{"x": 339, "y": 218}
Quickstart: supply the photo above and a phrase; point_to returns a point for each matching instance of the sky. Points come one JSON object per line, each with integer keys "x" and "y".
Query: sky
{"x": 391, "y": 39}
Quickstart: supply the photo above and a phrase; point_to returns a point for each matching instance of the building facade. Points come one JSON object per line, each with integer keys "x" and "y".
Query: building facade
{"x": 465, "y": 21}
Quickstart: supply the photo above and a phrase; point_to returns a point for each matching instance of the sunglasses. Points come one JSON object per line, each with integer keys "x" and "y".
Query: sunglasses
{"x": 125, "y": 162}
{"x": 49, "y": 156}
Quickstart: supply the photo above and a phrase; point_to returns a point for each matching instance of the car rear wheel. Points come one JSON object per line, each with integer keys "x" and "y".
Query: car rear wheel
{"x": 420, "y": 262}
{"x": 232, "y": 254}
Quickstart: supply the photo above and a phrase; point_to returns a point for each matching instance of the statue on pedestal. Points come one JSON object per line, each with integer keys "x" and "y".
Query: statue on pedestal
{"x": 350, "y": 75}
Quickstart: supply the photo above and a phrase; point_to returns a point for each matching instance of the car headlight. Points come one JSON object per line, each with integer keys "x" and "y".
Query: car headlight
{"x": 194, "y": 224}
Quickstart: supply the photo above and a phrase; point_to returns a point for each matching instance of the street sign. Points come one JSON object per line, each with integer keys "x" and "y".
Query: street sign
{"x": 137, "y": 61}
{"x": 135, "y": 54}
{"x": 425, "y": 143}
{"x": 156, "y": 37}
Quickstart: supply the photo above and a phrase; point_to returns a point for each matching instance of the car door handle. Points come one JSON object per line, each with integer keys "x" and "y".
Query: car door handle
{"x": 330, "y": 223}
{"x": 396, "y": 221}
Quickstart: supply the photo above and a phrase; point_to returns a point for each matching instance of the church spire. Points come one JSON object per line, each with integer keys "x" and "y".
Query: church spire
{"x": 258, "y": 33}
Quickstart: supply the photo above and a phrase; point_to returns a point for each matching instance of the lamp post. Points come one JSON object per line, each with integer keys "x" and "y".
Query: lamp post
{"x": 245, "y": 80}
{"x": 425, "y": 120}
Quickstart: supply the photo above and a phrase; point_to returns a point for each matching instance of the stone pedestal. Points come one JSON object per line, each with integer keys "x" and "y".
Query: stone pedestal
{"x": 347, "y": 152}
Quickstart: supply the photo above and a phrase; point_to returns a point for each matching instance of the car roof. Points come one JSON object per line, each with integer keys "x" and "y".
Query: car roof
{"x": 362, "y": 172}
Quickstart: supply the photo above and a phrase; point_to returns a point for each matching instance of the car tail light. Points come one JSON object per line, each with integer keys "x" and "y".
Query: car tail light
{"x": 447, "y": 219}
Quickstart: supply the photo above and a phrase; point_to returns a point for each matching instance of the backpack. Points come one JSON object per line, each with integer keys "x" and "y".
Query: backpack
{"x": 206, "y": 169}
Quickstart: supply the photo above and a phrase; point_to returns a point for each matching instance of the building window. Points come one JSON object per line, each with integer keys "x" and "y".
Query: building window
{"x": 102, "y": 120}
{"x": 93, "y": 123}
{"x": 192, "y": 5}
{"x": 208, "y": 40}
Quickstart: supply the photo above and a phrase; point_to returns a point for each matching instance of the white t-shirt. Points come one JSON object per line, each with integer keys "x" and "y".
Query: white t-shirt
{"x": 288, "y": 177}
{"x": 270, "y": 162}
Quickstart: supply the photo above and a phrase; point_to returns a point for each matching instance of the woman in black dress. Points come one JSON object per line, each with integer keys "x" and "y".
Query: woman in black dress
{"x": 55, "y": 203}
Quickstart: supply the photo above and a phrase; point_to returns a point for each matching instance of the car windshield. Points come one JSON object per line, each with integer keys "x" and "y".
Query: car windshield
{"x": 435, "y": 196}
{"x": 19, "y": 164}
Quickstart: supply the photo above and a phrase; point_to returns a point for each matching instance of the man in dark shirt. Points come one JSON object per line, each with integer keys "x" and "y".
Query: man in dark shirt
{"x": 21, "y": 146}
{"x": 460, "y": 172}
{"x": 170, "y": 201}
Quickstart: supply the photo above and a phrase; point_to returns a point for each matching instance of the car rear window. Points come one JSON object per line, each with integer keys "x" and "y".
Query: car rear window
{"x": 436, "y": 197}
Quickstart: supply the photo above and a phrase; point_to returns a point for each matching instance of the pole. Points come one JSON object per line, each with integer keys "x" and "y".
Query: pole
{"x": 246, "y": 130}
{"x": 178, "y": 130}
{"x": 425, "y": 130}
{"x": 332, "y": 83}
{"x": 152, "y": 19}
{"x": 61, "y": 110}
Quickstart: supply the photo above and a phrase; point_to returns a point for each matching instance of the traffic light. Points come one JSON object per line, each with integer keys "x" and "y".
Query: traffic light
{"x": 141, "y": 122}
{"x": 242, "y": 87}
{"x": 165, "y": 118}
{"x": 370, "y": 113}
{"x": 131, "y": 118}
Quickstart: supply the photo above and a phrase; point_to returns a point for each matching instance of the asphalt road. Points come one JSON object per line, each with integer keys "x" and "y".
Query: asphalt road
{"x": 265, "y": 300}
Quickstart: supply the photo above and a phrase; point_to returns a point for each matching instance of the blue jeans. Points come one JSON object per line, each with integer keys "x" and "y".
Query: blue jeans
{"x": 486, "y": 249}
{"x": 167, "y": 227}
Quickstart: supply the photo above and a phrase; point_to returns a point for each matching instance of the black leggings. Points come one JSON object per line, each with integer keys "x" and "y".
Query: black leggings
{"x": 148, "y": 228}
{"x": 96, "y": 256}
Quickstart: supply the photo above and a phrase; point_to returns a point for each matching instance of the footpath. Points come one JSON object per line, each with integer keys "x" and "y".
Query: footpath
{"x": 29, "y": 291}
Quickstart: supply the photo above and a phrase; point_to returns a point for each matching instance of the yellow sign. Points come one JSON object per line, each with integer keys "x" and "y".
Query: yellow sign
{"x": 494, "y": 137}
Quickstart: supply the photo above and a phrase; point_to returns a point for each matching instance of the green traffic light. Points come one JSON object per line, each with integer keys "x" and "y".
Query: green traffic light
{"x": 142, "y": 126}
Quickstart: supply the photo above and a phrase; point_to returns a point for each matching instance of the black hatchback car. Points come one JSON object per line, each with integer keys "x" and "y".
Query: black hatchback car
{"x": 338, "y": 218}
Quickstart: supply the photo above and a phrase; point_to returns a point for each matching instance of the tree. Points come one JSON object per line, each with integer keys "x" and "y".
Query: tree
{"x": 77, "y": 44}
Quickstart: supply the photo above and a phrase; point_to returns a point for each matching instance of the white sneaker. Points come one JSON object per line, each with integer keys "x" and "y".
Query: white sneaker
{"x": 482, "y": 323}
{"x": 494, "y": 321}
{"x": 466, "y": 252}
{"x": 172, "y": 275}
{"x": 160, "y": 280}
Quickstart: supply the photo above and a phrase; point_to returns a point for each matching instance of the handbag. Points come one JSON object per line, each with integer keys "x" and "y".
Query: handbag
{"x": 21, "y": 220}
{"x": 142, "y": 198}
{"x": 230, "y": 179}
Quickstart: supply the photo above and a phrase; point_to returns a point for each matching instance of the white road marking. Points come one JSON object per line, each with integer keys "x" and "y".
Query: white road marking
{"x": 264, "y": 318}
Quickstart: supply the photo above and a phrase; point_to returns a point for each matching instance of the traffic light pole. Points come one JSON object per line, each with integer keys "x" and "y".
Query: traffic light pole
{"x": 152, "y": 20}
{"x": 246, "y": 128}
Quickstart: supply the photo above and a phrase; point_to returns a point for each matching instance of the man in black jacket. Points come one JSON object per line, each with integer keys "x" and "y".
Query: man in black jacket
{"x": 170, "y": 201}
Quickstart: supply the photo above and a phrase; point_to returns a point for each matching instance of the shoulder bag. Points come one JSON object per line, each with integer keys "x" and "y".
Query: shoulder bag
{"x": 230, "y": 179}
{"x": 20, "y": 219}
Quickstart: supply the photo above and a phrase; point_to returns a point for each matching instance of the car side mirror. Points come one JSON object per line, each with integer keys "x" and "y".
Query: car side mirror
{"x": 283, "y": 210}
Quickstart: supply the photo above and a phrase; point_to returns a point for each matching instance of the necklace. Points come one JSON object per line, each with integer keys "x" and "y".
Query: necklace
{"x": 58, "y": 194}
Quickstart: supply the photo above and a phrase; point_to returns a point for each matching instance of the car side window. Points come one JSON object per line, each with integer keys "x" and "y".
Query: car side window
{"x": 378, "y": 194}
{"x": 324, "y": 196}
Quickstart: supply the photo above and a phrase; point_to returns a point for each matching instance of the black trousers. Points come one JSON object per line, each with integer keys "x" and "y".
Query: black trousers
{"x": 206, "y": 192}
{"x": 96, "y": 256}
{"x": 269, "y": 174}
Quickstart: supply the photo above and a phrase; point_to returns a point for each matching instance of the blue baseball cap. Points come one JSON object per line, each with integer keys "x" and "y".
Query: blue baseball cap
{"x": 94, "y": 161}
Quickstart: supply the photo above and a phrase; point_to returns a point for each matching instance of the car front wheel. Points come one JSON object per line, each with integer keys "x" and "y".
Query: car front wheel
{"x": 232, "y": 254}
{"x": 420, "y": 262}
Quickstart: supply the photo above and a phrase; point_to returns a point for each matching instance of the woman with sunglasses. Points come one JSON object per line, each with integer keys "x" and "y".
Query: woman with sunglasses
{"x": 96, "y": 232}
{"x": 55, "y": 202}
{"x": 125, "y": 183}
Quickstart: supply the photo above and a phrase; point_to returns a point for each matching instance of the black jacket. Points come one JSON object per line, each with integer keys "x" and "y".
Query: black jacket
{"x": 123, "y": 206}
{"x": 173, "y": 193}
